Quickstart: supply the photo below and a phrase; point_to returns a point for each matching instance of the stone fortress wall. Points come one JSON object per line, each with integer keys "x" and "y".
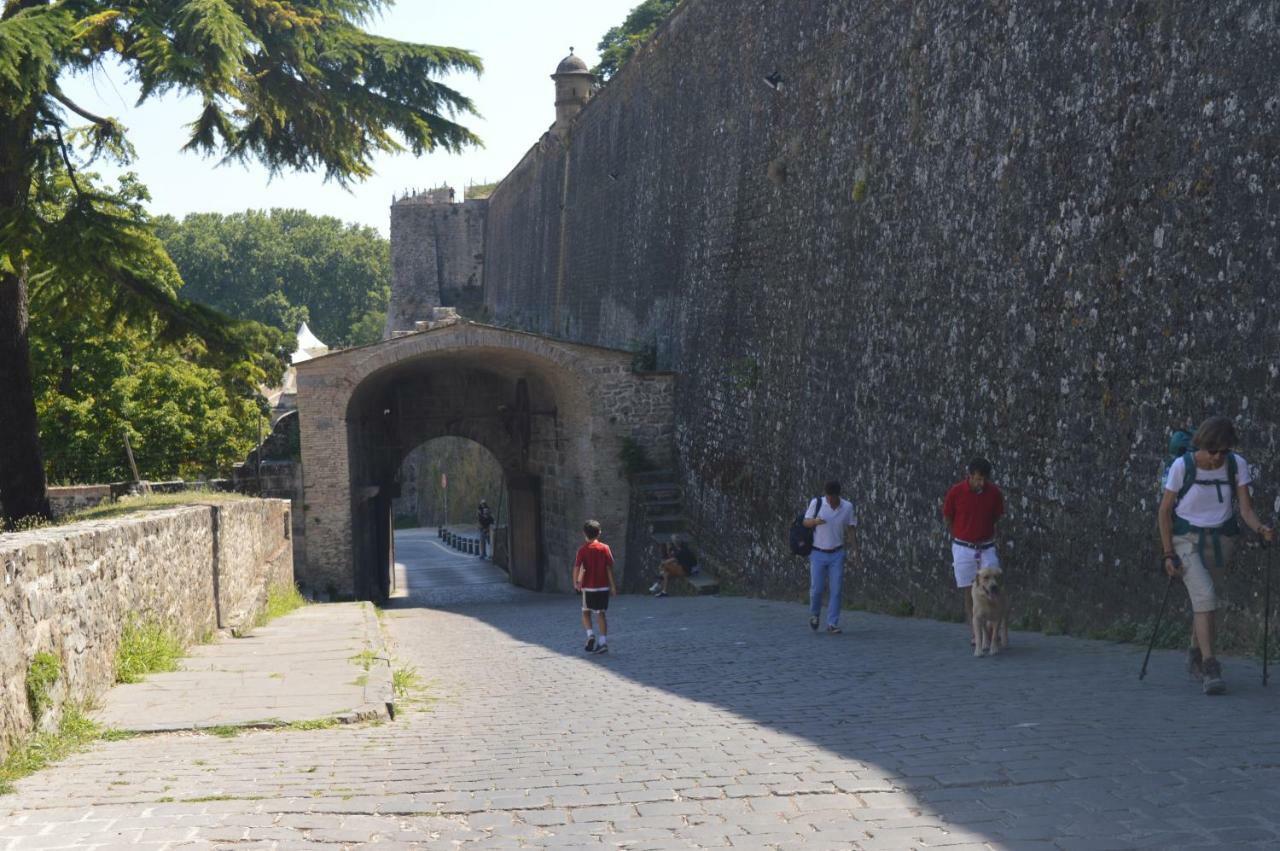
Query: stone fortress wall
{"x": 69, "y": 590}
{"x": 874, "y": 239}
{"x": 437, "y": 256}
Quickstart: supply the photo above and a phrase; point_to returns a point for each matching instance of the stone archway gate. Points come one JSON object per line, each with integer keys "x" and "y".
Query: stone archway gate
{"x": 555, "y": 414}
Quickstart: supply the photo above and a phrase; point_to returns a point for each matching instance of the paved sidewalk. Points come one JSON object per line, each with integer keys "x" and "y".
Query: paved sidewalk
{"x": 711, "y": 723}
{"x": 304, "y": 666}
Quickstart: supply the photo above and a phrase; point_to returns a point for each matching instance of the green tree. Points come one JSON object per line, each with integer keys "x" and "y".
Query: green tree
{"x": 102, "y": 369}
{"x": 620, "y": 42}
{"x": 295, "y": 84}
{"x": 93, "y": 387}
{"x": 285, "y": 267}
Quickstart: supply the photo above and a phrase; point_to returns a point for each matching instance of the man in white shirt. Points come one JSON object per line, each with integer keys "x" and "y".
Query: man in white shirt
{"x": 832, "y": 521}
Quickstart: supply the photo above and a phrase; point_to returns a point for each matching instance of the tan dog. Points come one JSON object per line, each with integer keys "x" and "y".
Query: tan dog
{"x": 990, "y": 612}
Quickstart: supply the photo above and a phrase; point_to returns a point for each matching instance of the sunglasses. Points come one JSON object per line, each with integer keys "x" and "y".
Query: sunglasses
{"x": 1217, "y": 451}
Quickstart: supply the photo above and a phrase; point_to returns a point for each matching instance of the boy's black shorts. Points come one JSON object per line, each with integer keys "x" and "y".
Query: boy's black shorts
{"x": 595, "y": 601}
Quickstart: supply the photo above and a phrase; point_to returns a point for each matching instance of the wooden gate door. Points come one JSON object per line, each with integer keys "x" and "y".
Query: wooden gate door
{"x": 526, "y": 558}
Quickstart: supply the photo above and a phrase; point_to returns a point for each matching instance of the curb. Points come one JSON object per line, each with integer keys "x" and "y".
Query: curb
{"x": 379, "y": 696}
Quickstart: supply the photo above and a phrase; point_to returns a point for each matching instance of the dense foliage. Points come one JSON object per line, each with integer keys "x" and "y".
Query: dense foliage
{"x": 283, "y": 268}
{"x": 620, "y": 42}
{"x": 94, "y": 385}
{"x": 294, "y": 84}
{"x": 104, "y": 367}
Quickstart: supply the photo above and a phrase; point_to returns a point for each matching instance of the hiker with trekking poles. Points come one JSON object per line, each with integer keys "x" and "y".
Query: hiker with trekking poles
{"x": 1198, "y": 527}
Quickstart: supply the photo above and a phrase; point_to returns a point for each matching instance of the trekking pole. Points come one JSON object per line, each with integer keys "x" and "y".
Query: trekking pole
{"x": 1266, "y": 611}
{"x": 1156, "y": 629}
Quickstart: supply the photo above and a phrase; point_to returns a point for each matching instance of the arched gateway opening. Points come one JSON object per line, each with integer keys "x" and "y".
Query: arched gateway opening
{"x": 555, "y": 415}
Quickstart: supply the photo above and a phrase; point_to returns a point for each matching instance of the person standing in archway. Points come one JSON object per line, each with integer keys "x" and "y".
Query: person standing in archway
{"x": 593, "y": 576}
{"x": 484, "y": 519}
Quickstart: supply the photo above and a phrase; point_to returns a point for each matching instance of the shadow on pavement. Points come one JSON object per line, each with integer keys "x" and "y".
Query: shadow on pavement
{"x": 1053, "y": 740}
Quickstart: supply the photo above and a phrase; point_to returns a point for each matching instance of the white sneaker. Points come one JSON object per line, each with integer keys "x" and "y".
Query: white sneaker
{"x": 653, "y": 589}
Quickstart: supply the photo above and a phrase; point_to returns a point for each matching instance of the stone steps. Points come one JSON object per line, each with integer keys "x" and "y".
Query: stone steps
{"x": 664, "y": 513}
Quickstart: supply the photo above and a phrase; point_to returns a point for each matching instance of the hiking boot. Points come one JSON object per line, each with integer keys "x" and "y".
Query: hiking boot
{"x": 1212, "y": 680}
{"x": 813, "y": 623}
{"x": 591, "y": 644}
{"x": 834, "y": 630}
{"x": 1195, "y": 663}
{"x": 603, "y": 648}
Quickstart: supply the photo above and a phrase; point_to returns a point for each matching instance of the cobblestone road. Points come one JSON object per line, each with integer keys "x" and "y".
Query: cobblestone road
{"x": 712, "y": 723}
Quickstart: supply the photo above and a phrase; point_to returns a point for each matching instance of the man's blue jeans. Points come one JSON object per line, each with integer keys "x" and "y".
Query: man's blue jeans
{"x": 826, "y": 570}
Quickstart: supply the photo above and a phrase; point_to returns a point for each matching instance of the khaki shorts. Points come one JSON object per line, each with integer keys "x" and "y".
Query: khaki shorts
{"x": 1201, "y": 581}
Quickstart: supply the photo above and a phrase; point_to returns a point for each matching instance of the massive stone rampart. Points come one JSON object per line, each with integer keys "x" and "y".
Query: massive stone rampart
{"x": 68, "y": 591}
{"x": 874, "y": 239}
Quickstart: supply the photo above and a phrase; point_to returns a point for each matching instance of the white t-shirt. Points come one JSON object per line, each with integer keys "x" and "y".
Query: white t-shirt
{"x": 830, "y": 535}
{"x": 1201, "y": 507}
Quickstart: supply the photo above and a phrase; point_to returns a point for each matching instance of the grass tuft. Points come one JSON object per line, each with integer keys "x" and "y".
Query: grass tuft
{"x": 315, "y": 724}
{"x": 365, "y": 658}
{"x": 146, "y": 647}
{"x": 43, "y": 673}
{"x": 281, "y": 600}
{"x": 223, "y": 731}
{"x": 405, "y": 682}
{"x": 74, "y": 733}
{"x": 113, "y": 735}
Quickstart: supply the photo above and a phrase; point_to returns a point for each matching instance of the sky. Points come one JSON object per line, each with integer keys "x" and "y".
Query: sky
{"x": 520, "y": 43}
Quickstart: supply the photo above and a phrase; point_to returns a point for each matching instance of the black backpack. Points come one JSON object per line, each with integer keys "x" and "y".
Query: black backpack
{"x": 801, "y": 537}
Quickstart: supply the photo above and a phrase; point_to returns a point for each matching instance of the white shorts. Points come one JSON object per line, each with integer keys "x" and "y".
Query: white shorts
{"x": 967, "y": 561}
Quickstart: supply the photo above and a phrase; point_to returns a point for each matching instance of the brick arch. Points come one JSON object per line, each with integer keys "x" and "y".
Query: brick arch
{"x": 361, "y": 410}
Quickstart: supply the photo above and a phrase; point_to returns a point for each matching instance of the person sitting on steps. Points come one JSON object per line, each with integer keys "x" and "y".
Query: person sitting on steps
{"x": 1197, "y": 526}
{"x": 677, "y": 560}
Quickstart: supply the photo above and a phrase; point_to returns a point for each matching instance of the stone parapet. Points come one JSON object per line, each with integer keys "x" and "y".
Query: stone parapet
{"x": 69, "y": 590}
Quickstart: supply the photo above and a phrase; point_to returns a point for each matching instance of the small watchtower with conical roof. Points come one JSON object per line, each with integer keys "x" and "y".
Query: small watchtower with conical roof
{"x": 575, "y": 85}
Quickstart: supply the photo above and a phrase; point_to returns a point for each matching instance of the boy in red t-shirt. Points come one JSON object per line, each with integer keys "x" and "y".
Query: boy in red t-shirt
{"x": 593, "y": 576}
{"x": 971, "y": 509}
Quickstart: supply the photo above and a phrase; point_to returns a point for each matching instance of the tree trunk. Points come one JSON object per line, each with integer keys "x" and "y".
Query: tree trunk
{"x": 22, "y": 483}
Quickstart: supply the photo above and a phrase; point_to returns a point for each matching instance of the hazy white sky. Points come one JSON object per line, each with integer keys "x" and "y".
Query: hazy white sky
{"x": 520, "y": 42}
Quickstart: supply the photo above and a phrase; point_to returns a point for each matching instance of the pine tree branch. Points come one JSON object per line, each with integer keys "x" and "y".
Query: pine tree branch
{"x": 79, "y": 110}
{"x": 66, "y": 160}
{"x": 13, "y": 7}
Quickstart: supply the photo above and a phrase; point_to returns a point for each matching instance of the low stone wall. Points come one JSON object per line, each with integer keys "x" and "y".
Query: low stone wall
{"x": 69, "y": 590}
{"x": 65, "y": 499}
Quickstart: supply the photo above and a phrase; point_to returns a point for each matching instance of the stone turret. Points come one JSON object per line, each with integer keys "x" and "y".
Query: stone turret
{"x": 437, "y": 257}
{"x": 575, "y": 85}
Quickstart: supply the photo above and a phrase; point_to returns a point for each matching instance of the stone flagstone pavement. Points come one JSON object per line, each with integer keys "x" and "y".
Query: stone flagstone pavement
{"x": 711, "y": 723}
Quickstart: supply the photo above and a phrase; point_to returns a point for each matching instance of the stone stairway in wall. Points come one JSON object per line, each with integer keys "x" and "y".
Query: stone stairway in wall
{"x": 662, "y": 500}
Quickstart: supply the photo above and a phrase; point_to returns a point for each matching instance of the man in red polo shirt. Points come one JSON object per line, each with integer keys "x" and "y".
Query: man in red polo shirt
{"x": 971, "y": 510}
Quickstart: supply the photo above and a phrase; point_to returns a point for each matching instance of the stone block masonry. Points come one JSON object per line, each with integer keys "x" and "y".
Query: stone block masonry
{"x": 874, "y": 239}
{"x": 68, "y": 590}
{"x": 437, "y": 258}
